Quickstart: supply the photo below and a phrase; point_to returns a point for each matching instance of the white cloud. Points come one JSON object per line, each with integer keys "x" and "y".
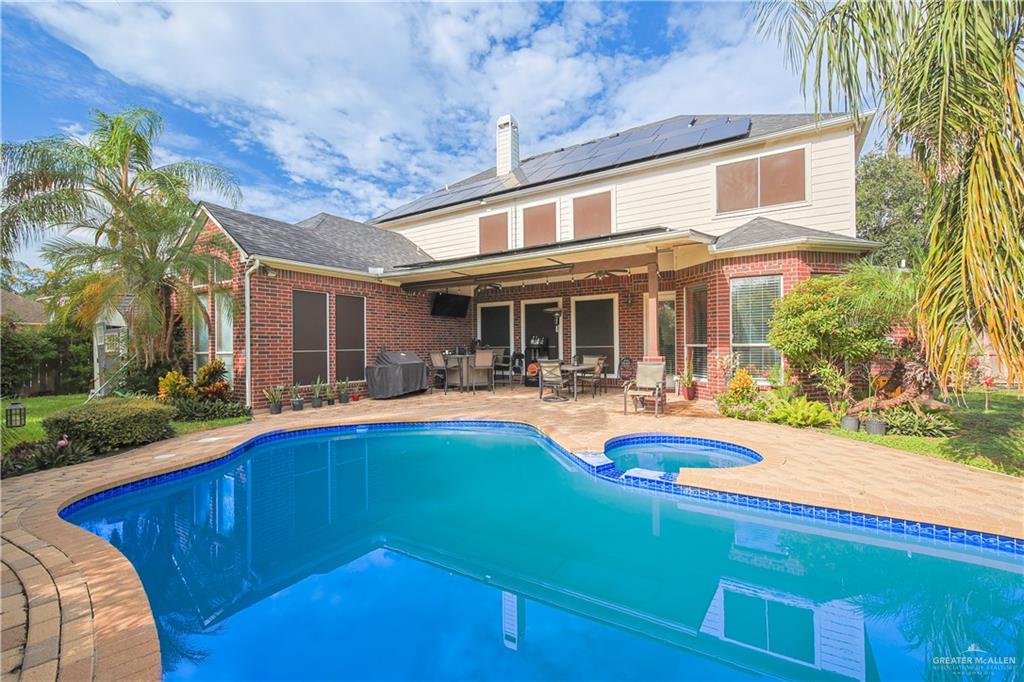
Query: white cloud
{"x": 365, "y": 105}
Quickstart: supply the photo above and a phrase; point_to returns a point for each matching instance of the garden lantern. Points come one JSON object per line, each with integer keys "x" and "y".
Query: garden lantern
{"x": 14, "y": 415}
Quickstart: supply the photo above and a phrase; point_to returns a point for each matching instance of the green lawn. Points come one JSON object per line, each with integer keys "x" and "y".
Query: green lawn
{"x": 989, "y": 440}
{"x": 38, "y": 408}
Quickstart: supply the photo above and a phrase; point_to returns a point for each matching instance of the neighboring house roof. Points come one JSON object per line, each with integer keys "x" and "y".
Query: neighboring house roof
{"x": 20, "y": 309}
{"x": 323, "y": 239}
{"x": 676, "y": 135}
{"x": 762, "y": 232}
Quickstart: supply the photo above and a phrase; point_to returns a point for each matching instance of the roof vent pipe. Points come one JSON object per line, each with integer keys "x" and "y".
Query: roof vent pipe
{"x": 507, "y": 145}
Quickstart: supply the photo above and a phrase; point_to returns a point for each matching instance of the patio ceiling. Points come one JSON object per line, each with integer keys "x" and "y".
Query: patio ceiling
{"x": 561, "y": 260}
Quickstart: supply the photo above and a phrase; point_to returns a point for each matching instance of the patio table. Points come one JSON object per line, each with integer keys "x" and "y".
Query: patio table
{"x": 464, "y": 375}
{"x": 575, "y": 370}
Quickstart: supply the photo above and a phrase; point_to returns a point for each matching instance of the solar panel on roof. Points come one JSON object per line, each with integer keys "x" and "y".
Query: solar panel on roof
{"x": 726, "y": 130}
{"x": 641, "y": 151}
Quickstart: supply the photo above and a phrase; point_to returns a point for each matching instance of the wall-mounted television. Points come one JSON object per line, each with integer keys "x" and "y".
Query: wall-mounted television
{"x": 449, "y": 305}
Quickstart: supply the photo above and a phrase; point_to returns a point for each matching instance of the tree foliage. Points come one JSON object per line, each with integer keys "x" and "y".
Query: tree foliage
{"x": 891, "y": 202}
{"x": 949, "y": 77}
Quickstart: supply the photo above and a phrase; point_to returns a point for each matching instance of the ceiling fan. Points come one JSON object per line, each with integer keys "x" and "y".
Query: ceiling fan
{"x": 493, "y": 286}
{"x": 603, "y": 274}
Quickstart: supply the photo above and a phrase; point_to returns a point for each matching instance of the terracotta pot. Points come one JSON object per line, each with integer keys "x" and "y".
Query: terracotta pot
{"x": 690, "y": 392}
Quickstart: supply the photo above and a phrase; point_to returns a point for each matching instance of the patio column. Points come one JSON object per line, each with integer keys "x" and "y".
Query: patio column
{"x": 651, "y": 347}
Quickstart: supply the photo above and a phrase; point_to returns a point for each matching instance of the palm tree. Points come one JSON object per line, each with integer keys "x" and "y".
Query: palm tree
{"x": 948, "y": 78}
{"x": 66, "y": 183}
{"x": 148, "y": 274}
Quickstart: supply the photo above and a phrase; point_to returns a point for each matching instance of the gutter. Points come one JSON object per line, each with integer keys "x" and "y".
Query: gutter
{"x": 248, "y": 334}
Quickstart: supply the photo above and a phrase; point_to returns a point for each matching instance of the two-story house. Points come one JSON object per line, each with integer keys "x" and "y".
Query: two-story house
{"x": 671, "y": 239}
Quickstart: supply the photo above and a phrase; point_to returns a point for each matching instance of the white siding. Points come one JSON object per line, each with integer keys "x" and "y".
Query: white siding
{"x": 680, "y": 195}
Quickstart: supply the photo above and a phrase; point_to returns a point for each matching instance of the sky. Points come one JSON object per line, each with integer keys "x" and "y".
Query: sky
{"x": 354, "y": 109}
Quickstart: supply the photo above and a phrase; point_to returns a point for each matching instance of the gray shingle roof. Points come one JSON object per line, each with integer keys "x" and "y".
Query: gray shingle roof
{"x": 323, "y": 239}
{"x": 762, "y": 231}
{"x": 672, "y": 136}
{"x": 18, "y": 308}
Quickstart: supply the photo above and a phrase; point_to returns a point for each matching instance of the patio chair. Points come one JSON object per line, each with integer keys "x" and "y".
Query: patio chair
{"x": 627, "y": 369}
{"x": 438, "y": 368}
{"x": 648, "y": 387}
{"x": 550, "y": 376}
{"x": 593, "y": 378}
{"x": 502, "y": 367}
{"x": 483, "y": 362}
{"x": 517, "y": 371}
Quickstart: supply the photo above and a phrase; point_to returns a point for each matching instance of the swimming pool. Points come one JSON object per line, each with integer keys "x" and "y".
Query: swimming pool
{"x": 469, "y": 552}
{"x": 669, "y": 453}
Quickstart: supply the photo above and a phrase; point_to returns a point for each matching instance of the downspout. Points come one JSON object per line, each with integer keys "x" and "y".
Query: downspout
{"x": 248, "y": 335}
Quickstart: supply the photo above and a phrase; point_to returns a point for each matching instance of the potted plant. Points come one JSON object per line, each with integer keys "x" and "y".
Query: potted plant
{"x": 296, "y": 396}
{"x": 872, "y": 424}
{"x": 330, "y": 395}
{"x": 274, "y": 395}
{"x": 689, "y": 385}
{"x": 343, "y": 391}
{"x": 847, "y": 422}
{"x": 317, "y": 387}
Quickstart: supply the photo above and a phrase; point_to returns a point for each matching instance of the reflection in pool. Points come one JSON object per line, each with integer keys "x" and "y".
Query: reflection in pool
{"x": 455, "y": 554}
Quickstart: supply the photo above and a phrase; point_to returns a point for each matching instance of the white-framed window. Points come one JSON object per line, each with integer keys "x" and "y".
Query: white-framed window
{"x": 750, "y": 311}
{"x": 349, "y": 338}
{"x": 592, "y": 213}
{"x": 494, "y": 231}
{"x": 222, "y": 272}
{"x": 697, "y": 330}
{"x": 494, "y": 325}
{"x": 666, "y": 329}
{"x": 595, "y": 328}
{"x": 539, "y": 223}
{"x": 763, "y": 181}
{"x": 200, "y": 335}
{"x": 310, "y": 357}
{"x": 535, "y": 321}
{"x": 224, "y": 343}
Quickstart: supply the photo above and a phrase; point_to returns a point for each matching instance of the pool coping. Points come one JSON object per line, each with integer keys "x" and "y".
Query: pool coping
{"x": 88, "y": 611}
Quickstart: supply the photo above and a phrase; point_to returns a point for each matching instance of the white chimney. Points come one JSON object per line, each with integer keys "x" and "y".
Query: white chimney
{"x": 508, "y": 145}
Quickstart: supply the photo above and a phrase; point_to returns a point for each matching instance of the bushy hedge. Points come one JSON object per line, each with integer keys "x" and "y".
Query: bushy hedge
{"x": 111, "y": 423}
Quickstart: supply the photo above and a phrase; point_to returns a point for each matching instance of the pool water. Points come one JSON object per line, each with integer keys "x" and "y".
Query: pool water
{"x": 477, "y": 554}
{"x": 673, "y": 455}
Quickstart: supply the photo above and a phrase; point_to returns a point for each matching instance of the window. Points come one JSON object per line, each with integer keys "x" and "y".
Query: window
{"x": 224, "y": 310}
{"x": 592, "y": 215}
{"x": 594, "y": 329}
{"x": 222, "y": 272}
{"x": 226, "y": 506}
{"x": 200, "y": 335}
{"x": 785, "y": 630}
{"x": 350, "y": 337}
{"x": 764, "y": 181}
{"x": 539, "y": 324}
{"x": 494, "y": 325}
{"x": 539, "y": 223}
{"x": 494, "y": 233}
{"x": 309, "y": 337}
{"x": 697, "y": 330}
{"x": 750, "y": 302}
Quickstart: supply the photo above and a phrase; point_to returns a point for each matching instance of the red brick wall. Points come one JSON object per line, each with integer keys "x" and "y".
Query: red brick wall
{"x": 396, "y": 320}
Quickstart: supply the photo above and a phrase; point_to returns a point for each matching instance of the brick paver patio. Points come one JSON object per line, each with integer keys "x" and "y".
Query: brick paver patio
{"x": 74, "y": 609}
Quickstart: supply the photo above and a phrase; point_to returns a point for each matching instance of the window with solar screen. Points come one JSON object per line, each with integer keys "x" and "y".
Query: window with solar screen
{"x": 309, "y": 337}
{"x": 350, "y": 337}
{"x": 751, "y": 306}
{"x": 768, "y": 180}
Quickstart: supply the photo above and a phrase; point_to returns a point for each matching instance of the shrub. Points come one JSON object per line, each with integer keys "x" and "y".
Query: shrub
{"x": 111, "y": 423}
{"x": 211, "y": 381}
{"x": 742, "y": 399}
{"x": 188, "y": 410}
{"x": 25, "y": 458}
{"x": 174, "y": 386}
{"x": 799, "y": 412}
{"x": 905, "y": 421}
